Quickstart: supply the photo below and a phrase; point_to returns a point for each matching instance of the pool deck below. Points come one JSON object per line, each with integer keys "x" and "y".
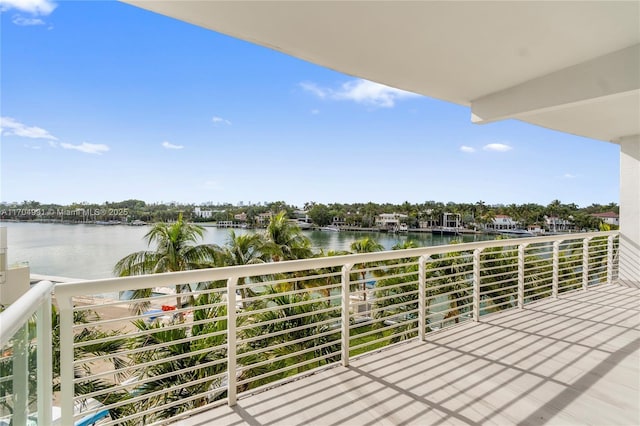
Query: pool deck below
{"x": 572, "y": 360}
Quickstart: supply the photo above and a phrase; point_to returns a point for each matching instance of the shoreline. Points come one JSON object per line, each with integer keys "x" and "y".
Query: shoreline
{"x": 462, "y": 231}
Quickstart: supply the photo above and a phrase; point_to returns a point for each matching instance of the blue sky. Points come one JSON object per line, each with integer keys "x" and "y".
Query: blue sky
{"x": 101, "y": 101}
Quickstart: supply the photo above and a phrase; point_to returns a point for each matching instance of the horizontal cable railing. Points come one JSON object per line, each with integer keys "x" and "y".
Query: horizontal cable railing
{"x": 225, "y": 332}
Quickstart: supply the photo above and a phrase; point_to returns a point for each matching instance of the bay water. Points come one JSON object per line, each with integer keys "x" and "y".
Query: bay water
{"x": 88, "y": 251}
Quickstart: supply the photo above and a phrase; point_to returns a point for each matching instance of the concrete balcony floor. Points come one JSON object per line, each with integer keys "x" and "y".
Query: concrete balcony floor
{"x": 574, "y": 360}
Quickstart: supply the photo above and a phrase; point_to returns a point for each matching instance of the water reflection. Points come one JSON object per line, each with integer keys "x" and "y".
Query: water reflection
{"x": 90, "y": 251}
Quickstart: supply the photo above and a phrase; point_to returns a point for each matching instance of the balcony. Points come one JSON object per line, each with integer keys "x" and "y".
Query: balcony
{"x": 506, "y": 331}
{"x": 573, "y": 360}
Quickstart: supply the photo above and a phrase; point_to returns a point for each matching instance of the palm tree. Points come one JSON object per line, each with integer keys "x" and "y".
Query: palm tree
{"x": 176, "y": 250}
{"x": 296, "y": 331}
{"x": 245, "y": 249}
{"x": 499, "y": 270}
{"x": 365, "y": 245}
{"x": 556, "y": 211}
{"x": 450, "y": 274}
{"x": 91, "y": 342}
{"x": 193, "y": 368}
{"x": 486, "y": 218}
{"x": 396, "y": 293}
{"x": 285, "y": 240}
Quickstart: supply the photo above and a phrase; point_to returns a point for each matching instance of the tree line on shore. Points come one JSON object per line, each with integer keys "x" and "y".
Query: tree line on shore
{"x": 353, "y": 214}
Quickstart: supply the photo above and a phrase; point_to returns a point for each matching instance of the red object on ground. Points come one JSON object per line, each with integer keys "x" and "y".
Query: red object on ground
{"x": 168, "y": 308}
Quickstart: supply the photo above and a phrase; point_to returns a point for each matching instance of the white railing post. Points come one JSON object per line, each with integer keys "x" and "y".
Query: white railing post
{"x": 66, "y": 359}
{"x": 231, "y": 342}
{"x": 346, "y": 294}
{"x": 422, "y": 298}
{"x": 45, "y": 372}
{"x": 610, "y": 259}
{"x": 521, "y": 257}
{"x": 556, "y": 269}
{"x": 476, "y": 284}
{"x": 21, "y": 376}
{"x": 585, "y": 263}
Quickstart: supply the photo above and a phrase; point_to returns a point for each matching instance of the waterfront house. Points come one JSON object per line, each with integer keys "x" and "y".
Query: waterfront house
{"x": 240, "y": 217}
{"x": 535, "y": 229}
{"x": 390, "y": 221}
{"x": 502, "y": 222}
{"x": 262, "y": 219}
{"x": 610, "y": 218}
{"x": 301, "y": 215}
{"x": 338, "y": 221}
{"x": 565, "y": 349}
{"x": 203, "y": 214}
{"x": 557, "y": 224}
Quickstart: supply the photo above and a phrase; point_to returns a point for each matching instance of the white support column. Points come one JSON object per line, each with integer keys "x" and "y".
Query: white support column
{"x": 231, "y": 341}
{"x": 629, "y": 273}
{"x": 422, "y": 302}
{"x": 476, "y": 284}
{"x": 346, "y": 299}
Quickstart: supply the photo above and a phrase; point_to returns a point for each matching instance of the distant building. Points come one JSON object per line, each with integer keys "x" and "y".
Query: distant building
{"x": 389, "y": 220}
{"x": 300, "y": 214}
{"x": 535, "y": 229}
{"x": 556, "y": 224}
{"x": 205, "y": 214}
{"x": 609, "y": 218}
{"x": 502, "y": 222}
{"x": 338, "y": 221}
{"x": 263, "y": 219}
{"x": 242, "y": 217}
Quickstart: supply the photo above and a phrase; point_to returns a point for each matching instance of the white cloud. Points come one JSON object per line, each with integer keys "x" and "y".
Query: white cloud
{"x": 569, "y": 176}
{"x": 12, "y": 127}
{"x": 169, "y": 145}
{"x": 465, "y": 148}
{"x": 35, "y": 7}
{"x": 313, "y": 88}
{"x": 315, "y": 111}
{"x": 88, "y": 148}
{"x": 220, "y": 120}
{"x": 360, "y": 91}
{"x": 499, "y": 147}
{"x": 21, "y": 20}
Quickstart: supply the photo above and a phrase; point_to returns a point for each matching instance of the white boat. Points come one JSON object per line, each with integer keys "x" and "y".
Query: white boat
{"x": 517, "y": 233}
{"x": 303, "y": 224}
{"x": 446, "y": 230}
{"x": 331, "y": 228}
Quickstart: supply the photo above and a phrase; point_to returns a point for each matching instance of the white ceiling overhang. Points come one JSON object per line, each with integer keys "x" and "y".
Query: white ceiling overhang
{"x": 569, "y": 66}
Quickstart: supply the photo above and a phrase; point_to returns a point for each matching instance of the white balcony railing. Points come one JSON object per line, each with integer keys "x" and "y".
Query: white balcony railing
{"x": 237, "y": 330}
{"x": 25, "y": 359}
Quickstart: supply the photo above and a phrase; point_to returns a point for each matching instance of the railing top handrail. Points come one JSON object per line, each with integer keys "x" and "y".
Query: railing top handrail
{"x": 66, "y": 290}
{"x": 19, "y": 312}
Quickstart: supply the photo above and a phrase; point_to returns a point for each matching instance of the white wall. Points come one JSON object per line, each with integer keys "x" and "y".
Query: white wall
{"x": 630, "y": 210}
